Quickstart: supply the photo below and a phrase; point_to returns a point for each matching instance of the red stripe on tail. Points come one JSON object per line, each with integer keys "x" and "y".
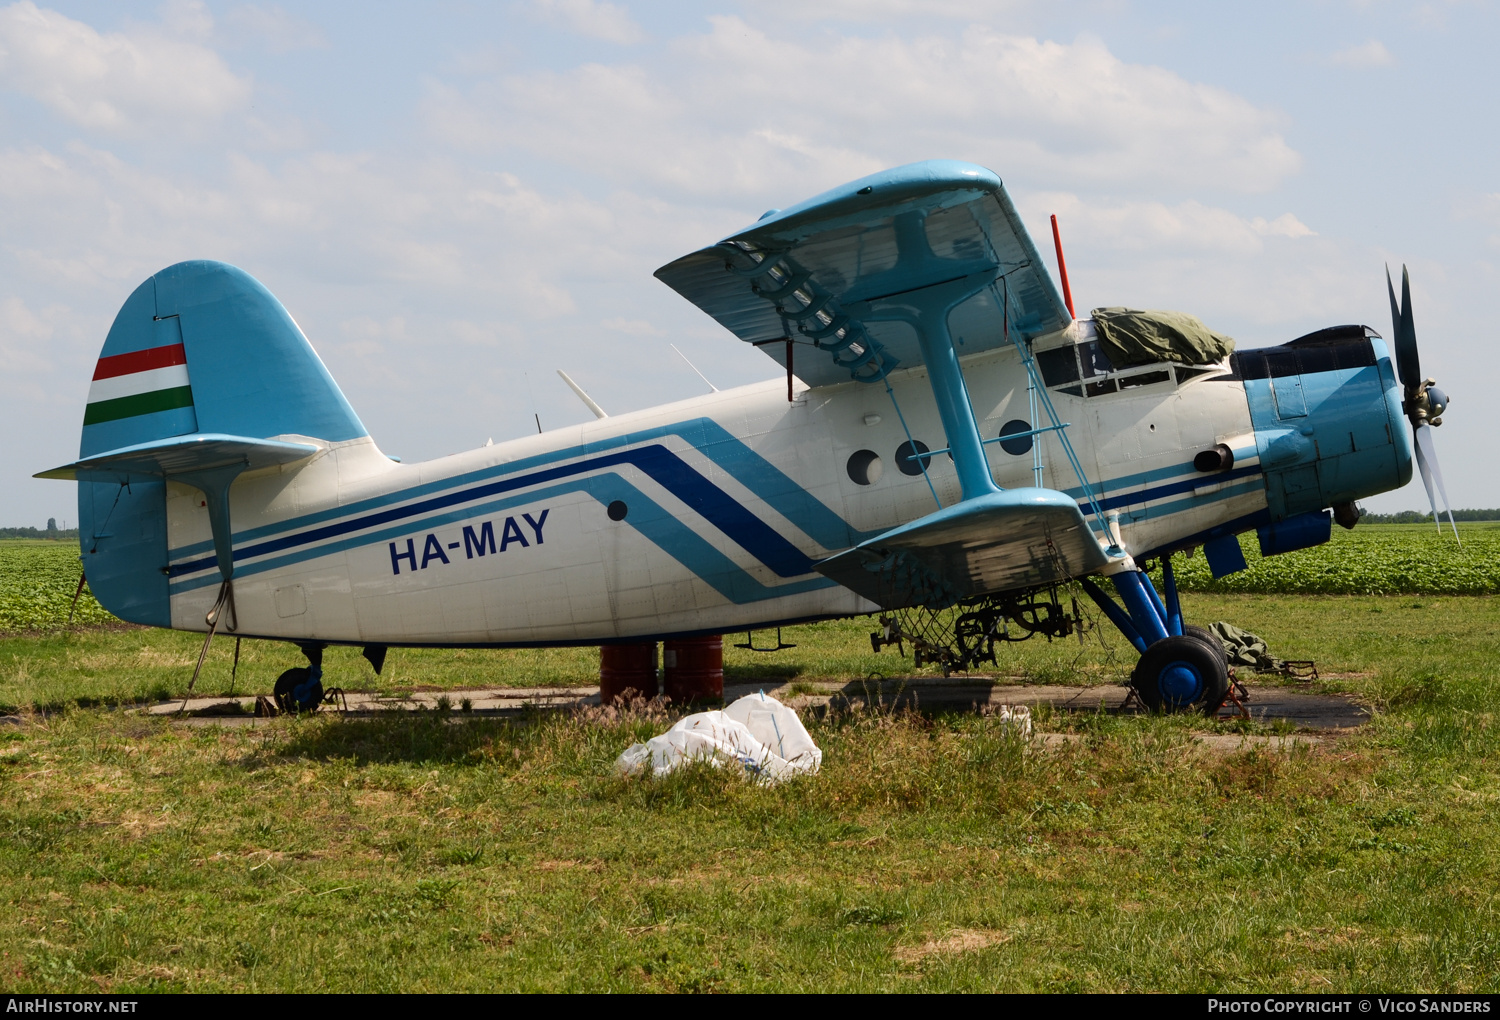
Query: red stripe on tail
{"x": 140, "y": 361}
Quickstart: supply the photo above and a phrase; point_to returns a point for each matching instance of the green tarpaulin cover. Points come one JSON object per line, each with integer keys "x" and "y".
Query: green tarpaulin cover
{"x": 1131, "y": 336}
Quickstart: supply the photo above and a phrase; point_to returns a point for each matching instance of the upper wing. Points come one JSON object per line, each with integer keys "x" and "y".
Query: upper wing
{"x": 1019, "y": 538}
{"x": 814, "y": 273}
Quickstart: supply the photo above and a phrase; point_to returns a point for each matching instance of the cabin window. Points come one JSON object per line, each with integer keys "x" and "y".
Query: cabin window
{"x": 911, "y": 457}
{"x": 1022, "y": 431}
{"x": 865, "y": 467}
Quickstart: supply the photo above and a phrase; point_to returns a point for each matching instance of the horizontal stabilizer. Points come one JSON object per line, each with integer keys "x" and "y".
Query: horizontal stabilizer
{"x": 841, "y": 275}
{"x": 1014, "y": 539}
{"x": 180, "y": 455}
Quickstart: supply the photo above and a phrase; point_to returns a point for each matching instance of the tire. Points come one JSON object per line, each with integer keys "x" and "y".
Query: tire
{"x": 1179, "y": 674}
{"x": 1209, "y": 638}
{"x": 286, "y": 687}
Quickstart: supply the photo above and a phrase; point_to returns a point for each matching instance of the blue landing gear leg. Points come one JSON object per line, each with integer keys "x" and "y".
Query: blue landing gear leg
{"x": 1179, "y": 670}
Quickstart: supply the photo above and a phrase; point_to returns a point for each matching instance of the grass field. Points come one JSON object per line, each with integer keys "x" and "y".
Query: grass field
{"x": 423, "y": 852}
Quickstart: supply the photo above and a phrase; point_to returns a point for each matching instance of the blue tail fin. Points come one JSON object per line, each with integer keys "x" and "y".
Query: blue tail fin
{"x": 201, "y": 348}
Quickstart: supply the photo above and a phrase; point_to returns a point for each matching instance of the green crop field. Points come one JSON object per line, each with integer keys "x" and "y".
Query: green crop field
{"x": 37, "y": 582}
{"x": 1372, "y": 559}
{"x": 429, "y": 851}
{"x": 38, "y": 578}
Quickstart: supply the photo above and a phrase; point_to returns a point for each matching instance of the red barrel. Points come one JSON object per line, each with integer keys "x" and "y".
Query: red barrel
{"x": 627, "y": 671}
{"x": 693, "y": 669}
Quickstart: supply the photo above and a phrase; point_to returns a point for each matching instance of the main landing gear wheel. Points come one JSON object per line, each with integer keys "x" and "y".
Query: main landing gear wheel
{"x": 1178, "y": 674}
{"x": 297, "y": 691}
{"x": 1209, "y": 638}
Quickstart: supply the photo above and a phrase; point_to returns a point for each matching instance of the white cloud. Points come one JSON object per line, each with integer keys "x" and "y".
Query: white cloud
{"x": 738, "y": 113}
{"x": 1285, "y": 225}
{"x": 24, "y": 337}
{"x": 278, "y": 31}
{"x": 187, "y": 18}
{"x": 1185, "y": 227}
{"x": 1371, "y": 53}
{"x": 433, "y": 280}
{"x": 885, "y": 10}
{"x": 630, "y": 327}
{"x": 596, "y": 19}
{"x": 114, "y": 81}
{"x": 1486, "y": 210}
{"x": 1270, "y": 277}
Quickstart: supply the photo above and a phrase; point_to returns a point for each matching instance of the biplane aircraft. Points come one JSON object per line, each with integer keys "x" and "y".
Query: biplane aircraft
{"x": 947, "y": 433}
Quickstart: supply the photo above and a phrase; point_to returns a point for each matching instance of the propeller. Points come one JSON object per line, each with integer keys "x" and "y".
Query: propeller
{"x": 1425, "y": 403}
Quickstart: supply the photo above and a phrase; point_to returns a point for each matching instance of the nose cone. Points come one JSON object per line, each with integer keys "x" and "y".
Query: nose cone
{"x": 1437, "y": 400}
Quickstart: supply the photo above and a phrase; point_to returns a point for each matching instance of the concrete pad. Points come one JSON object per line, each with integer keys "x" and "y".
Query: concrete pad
{"x": 495, "y": 701}
{"x": 1302, "y": 709}
{"x": 1232, "y": 743}
{"x": 1219, "y": 743}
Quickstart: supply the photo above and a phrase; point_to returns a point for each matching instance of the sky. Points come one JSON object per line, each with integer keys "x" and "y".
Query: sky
{"x": 454, "y": 199}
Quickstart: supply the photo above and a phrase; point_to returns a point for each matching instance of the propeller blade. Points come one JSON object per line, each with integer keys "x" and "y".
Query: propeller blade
{"x": 1404, "y": 332}
{"x": 1426, "y": 474}
{"x": 1427, "y": 463}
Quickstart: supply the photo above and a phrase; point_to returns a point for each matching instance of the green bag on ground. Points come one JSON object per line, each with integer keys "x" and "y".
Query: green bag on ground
{"x": 1247, "y": 649}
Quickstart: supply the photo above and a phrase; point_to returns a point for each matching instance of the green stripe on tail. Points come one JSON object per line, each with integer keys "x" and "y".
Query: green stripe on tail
{"x": 140, "y": 403}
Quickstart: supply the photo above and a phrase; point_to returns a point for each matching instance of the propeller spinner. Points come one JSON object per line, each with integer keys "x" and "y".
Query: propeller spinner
{"x": 1425, "y": 403}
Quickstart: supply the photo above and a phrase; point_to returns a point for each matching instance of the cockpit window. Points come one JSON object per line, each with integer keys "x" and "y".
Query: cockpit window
{"x": 1094, "y": 361}
{"x": 1059, "y": 366}
{"x": 1064, "y": 367}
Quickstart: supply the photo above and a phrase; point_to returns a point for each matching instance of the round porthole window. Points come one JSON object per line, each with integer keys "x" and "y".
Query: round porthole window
{"x": 911, "y": 457}
{"x": 865, "y": 467}
{"x": 1021, "y": 444}
{"x": 617, "y": 510}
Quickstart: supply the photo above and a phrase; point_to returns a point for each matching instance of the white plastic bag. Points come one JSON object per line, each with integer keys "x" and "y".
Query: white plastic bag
{"x": 1016, "y": 719}
{"x": 757, "y": 733}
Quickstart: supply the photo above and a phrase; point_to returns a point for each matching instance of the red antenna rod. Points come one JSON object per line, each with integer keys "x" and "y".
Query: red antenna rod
{"x": 1062, "y": 267}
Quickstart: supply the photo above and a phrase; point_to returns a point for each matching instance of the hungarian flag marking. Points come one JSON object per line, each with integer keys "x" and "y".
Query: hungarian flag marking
{"x": 127, "y": 385}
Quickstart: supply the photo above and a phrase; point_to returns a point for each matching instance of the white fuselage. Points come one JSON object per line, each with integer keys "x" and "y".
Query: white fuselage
{"x": 727, "y": 500}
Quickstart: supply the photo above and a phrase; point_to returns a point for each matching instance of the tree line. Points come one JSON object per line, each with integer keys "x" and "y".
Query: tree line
{"x": 1425, "y": 516}
{"x": 50, "y": 531}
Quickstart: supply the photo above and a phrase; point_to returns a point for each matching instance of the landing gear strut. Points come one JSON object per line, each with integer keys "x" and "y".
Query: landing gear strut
{"x": 1182, "y": 667}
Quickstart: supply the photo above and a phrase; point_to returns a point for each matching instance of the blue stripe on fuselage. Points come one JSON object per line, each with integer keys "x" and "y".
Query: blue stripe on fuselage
{"x": 646, "y": 515}
{"x": 663, "y": 466}
{"x": 1176, "y": 488}
{"x": 762, "y": 478}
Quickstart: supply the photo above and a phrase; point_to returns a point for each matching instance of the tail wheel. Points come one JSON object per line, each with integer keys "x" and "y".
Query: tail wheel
{"x": 297, "y": 691}
{"x": 1178, "y": 674}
